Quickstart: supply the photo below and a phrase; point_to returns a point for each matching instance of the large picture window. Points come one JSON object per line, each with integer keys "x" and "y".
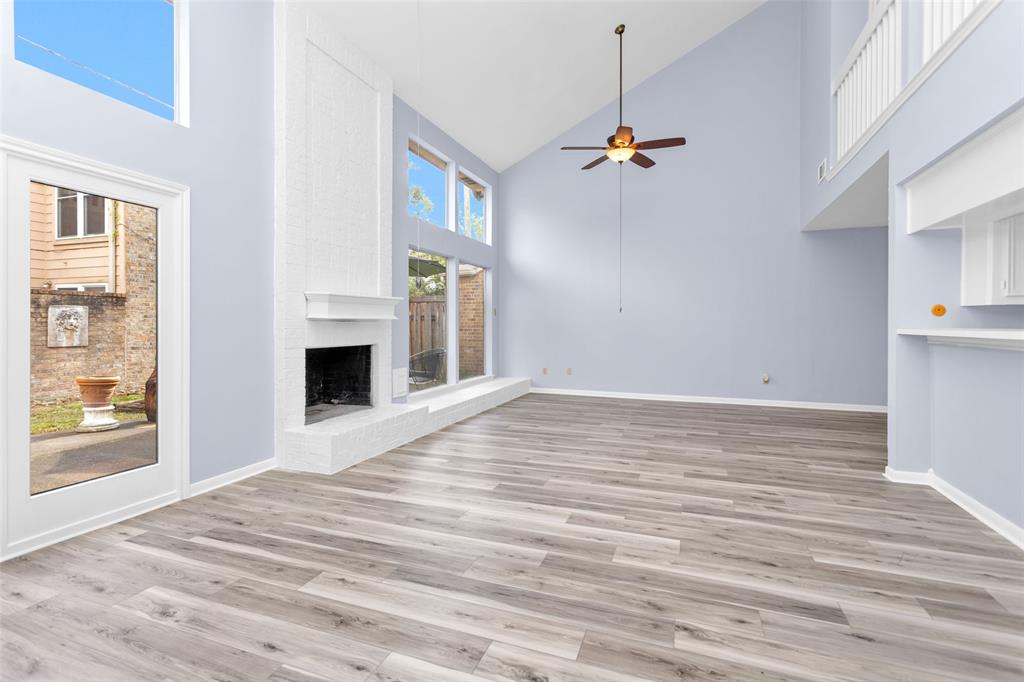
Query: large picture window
{"x": 93, "y": 321}
{"x": 449, "y": 297}
{"x": 125, "y": 50}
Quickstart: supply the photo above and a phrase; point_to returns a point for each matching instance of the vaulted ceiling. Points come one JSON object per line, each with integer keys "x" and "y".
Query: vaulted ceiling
{"x": 504, "y": 78}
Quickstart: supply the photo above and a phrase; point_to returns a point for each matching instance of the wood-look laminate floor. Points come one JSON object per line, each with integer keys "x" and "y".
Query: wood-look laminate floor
{"x": 552, "y": 539}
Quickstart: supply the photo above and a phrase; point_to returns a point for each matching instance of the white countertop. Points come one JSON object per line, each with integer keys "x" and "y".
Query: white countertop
{"x": 1001, "y": 339}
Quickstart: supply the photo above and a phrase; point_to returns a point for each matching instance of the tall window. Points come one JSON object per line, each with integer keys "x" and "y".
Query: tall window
{"x": 471, "y": 196}
{"x": 122, "y": 49}
{"x": 428, "y": 320}
{"x": 93, "y": 328}
{"x": 428, "y": 194}
{"x": 80, "y": 215}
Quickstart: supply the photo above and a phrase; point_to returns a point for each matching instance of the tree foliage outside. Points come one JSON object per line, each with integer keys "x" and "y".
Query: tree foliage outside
{"x": 426, "y": 188}
{"x": 476, "y": 227}
{"x": 471, "y": 210}
{"x": 420, "y": 205}
{"x": 427, "y": 285}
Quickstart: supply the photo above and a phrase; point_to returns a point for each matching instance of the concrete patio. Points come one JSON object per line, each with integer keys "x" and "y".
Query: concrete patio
{"x": 65, "y": 458}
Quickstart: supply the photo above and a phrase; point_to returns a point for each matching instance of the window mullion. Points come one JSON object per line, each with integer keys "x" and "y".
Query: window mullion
{"x": 80, "y": 212}
{"x": 453, "y": 320}
{"x": 451, "y": 201}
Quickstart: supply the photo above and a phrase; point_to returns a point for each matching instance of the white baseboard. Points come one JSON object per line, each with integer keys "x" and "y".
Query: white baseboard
{"x": 208, "y": 484}
{"x": 912, "y": 477}
{"x": 87, "y": 525}
{"x": 994, "y": 520}
{"x": 714, "y": 400}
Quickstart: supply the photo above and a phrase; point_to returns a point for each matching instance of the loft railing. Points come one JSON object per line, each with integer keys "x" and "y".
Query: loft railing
{"x": 871, "y": 75}
{"x": 870, "y": 86}
{"x": 940, "y": 19}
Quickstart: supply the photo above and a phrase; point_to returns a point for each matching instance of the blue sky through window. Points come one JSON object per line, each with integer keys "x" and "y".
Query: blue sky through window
{"x": 124, "y": 49}
{"x": 426, "y": 190}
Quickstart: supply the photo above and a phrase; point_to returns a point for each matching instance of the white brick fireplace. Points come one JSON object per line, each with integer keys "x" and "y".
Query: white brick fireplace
{"x": 333, "y": 220}
{"x": 333, "y": 185}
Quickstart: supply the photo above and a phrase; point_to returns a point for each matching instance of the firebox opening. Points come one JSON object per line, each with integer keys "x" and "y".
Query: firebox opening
{"x": 338, "y": 381}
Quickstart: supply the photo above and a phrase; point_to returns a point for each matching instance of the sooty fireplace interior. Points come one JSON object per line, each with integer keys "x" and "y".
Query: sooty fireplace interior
{"x": 338, "y": 381}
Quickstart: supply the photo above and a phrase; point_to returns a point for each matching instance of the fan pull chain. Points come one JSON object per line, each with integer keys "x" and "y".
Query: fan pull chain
{"x": 620, "y": 237}
{"x": 419, "y": 85}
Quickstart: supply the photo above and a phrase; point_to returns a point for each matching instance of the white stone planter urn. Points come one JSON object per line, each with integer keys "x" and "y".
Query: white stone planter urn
{"x": 96, "y": 403}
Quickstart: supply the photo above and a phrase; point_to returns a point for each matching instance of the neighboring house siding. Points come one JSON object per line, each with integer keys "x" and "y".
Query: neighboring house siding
{"x": 82, "y": 260}
{"x": 41, "y": 218}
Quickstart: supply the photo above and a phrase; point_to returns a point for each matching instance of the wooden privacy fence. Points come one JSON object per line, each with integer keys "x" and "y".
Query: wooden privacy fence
{"x": 428, "y": 323}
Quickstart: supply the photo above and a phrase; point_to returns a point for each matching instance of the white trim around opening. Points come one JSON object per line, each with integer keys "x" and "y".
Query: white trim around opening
{"x": 28, "y": 522}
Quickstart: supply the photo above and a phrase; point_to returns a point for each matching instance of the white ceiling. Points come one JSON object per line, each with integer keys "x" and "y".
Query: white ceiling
{"x": 503, "y": 78}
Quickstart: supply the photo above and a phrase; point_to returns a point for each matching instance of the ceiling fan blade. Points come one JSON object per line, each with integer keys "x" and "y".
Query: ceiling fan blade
{"x": 641, "y": 160}
{"x": 624, "y": 134}
{"x": 594, "y": 148}
{"x": 659, "y": 144}
{"x": 600, "y": 159}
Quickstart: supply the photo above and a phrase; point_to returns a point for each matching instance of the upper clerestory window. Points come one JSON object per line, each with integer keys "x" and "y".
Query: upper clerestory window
{"x": 126, "y": 50}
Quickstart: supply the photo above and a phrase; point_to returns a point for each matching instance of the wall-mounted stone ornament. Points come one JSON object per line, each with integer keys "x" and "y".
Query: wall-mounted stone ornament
{"x": 67, "y": 326}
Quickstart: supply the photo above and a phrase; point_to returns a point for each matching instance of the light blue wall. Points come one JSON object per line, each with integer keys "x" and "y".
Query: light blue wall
{"x": 720, "y": 285}
{"x": 226, "y": 157}
{"x": 985, "y": 459}
{"x": 846, "y": 20}
{"x": 939, "y": 399}
{"x": 408, "y": 232}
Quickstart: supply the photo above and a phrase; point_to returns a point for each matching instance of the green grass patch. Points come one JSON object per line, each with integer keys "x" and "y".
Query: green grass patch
{"x": 66, "y": 416}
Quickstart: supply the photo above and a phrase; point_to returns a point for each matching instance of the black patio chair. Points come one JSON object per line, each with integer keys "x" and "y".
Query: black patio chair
{"x": 424, "y": 367}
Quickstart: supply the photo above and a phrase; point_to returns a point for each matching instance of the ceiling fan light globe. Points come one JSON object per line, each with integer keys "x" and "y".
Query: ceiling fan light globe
{"x": 621, "y": 154}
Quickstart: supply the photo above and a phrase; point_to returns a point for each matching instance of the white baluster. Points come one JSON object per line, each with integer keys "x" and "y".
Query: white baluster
{"x": 886, "y": 59}
{"x": 926, "y": 32}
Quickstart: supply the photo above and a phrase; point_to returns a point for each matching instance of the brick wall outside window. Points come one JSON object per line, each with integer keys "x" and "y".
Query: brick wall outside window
{"x": 471, "y": 324}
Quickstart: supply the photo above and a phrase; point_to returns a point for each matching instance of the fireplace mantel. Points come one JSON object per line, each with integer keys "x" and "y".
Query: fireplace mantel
{"x": 323, "y": 305}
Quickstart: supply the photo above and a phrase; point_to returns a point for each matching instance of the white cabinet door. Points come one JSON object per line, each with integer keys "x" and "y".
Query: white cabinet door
{"x": 1008, "y": 260}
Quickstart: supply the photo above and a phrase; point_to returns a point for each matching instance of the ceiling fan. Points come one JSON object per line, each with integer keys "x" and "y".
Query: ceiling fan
{"x": 622, "y": 146}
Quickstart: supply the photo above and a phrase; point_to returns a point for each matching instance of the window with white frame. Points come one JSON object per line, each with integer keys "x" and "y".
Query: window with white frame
{"x": 428, "y": 184}
{"x": 471, "y": 203}
{"x": 448, "y": 295}
{"x": 130, "y": 51}
{"x": 428, "y": 320}
{"x": 81, "y": 215}
{"x": 436, "y": 182}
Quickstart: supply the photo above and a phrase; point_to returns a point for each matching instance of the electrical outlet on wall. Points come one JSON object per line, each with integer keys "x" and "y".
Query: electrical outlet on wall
{"x": 544, "y": 371}
{"x": 568, "y": 371}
